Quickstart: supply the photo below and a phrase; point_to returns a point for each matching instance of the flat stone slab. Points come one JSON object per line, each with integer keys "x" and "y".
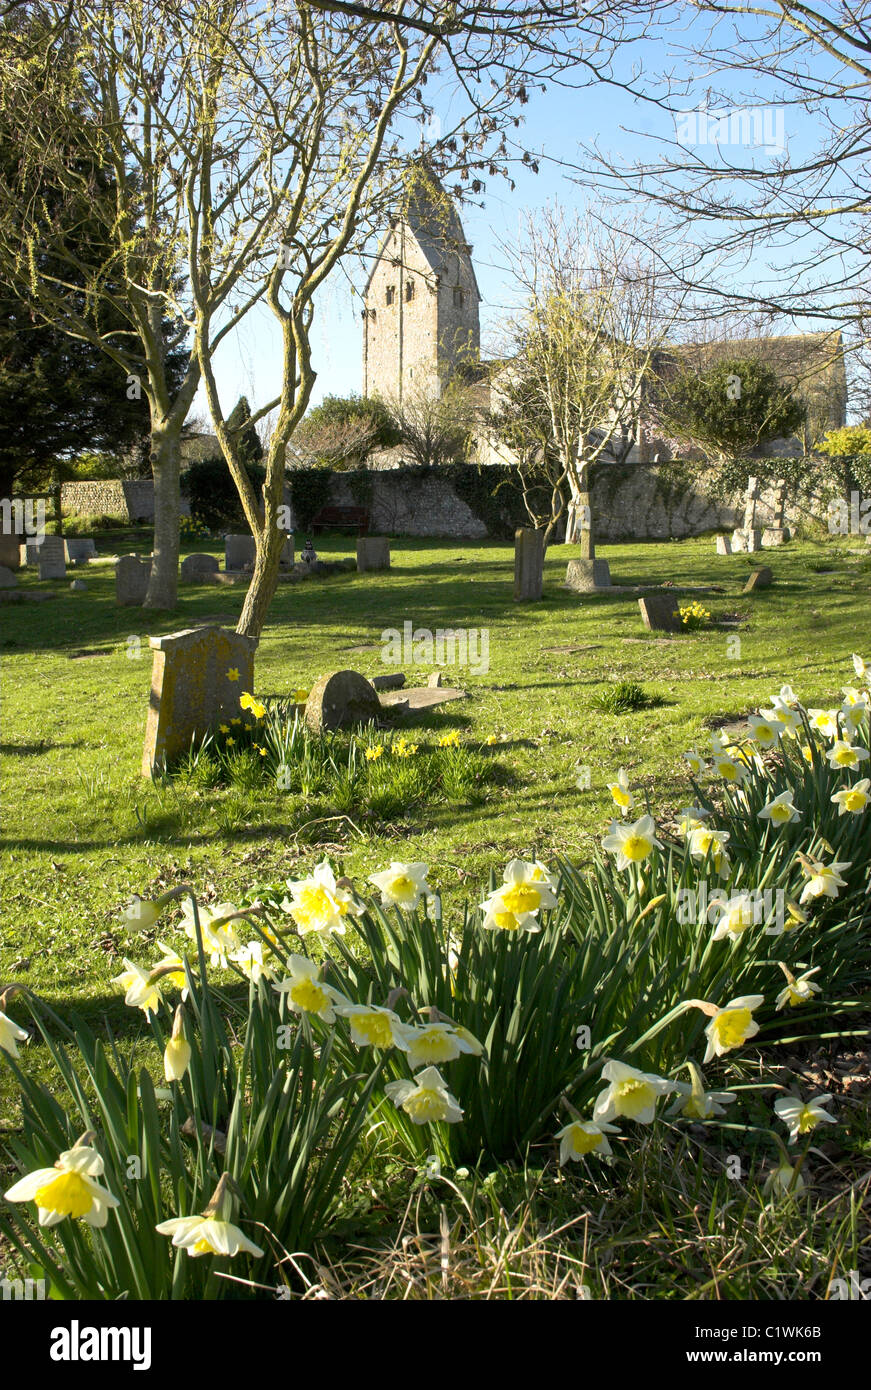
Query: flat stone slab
{"x": 422, "y": 697}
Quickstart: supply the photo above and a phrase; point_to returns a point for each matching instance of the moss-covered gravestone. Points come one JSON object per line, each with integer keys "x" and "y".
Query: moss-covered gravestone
{"x": 197, "y": 678}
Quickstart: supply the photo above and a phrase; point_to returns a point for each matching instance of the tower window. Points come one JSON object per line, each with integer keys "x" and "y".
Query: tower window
{"x": 390, "y": 294}
{"x": 409, "y": 291}
{"x": 458, "y": 298}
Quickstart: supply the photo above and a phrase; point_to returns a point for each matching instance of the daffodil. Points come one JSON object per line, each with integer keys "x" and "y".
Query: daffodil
{"x": 789, "y": 919}
{"x": 374, "y": 1026}
{"x": 784, "y": 1181}
{"x": 253, "y": 960}
{"x": 233, "y": 674}
{"x": 843, "y": 754}
{"x": 210, "y": 1233}
{"x": 853, "y": 713}
{"x": 632, "y": 843}
{"x": 788, "y": 718}
{"x": 402, "y": 885}
{"x": 451, "y": 740}
{"x": 620, "y": 793}
{"x": 437, "y": 1043}
{"x": 735, "y": 915}
{"x": 68, "y": 1189}
{"x": 374, "y": 753}
{"x": 823, "y": 880}
{"x": 729, "y": 767}
{"x": 319, "y": 904}
{"x": 787, "y": 696}
{"x": 853, "y": 800}
{"x": 306, "y": 992}
{"x": 526, "y": 888}
{"x": 584, "y": 1137}
{"x": 694, "y": 1102}
{"x": 802, "y": 1117}
{"x": 426, "y": 1099}
{"x": 798, "y": 991}
{"x": 218, "y": 932}
{"x": 732, "y": 1025}
{"x": 300, "y": 696}
{"x": 764, "y": 729}
{"x": 11, "y": 1035}
{"x": 706, "y": 842}
{"x": 780, "y": 811}
{"x": 631, "y": 1093}
{"x": 824, "y": 721}
{"x": 695, "y": 762}
{"x": 142, "y": 990}
{"x": 171, "y": 967}
{"x": 247, "y": 701}
{"x": 177, "y": 1055}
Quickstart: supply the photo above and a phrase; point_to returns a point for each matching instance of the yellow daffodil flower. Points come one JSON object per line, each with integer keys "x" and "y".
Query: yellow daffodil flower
{"x": 373, "y": 754}
{"x": 584, "y": 1137}
{"x": 803, "y": 1117}
{"x": 632, "y": 843}
{"x": 233, "y": 674}
{"x": 620, "y": 793}
{"x": 307, "y": 993}
{"x": 451, "y": 740}
{"x": 843, "y": 754}
{"x": 433, "y": 1044}
{"x": 318, "y": 904}
{"x": 426, "y": 1099}
{"x": 853, "y": 800}
{"x": 780, "y": 811}
{"x": 630, "y": 1093}
{"x": 374, "y": 1026}
{"x": 68, "y": 1189}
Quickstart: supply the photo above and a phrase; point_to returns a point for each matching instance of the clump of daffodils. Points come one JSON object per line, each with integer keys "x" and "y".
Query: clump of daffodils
{"x": 694, "y": 615}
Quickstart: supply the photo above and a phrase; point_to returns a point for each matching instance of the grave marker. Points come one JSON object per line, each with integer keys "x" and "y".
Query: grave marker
{"x": 759, "y": 579}
{"x": 339, "y": 699}
{"x": 131, "y": 580}
{"x": 659, "y": 613}
{"x": 196, "y": 680}
{"x": 373, "y": 553}
{"x": 199, "y": 569}
{"x": 585, "y": 576}
{"x": 724, "y": 545}
{"x": 528, "y": 565}
{"x": 52, "y": 564}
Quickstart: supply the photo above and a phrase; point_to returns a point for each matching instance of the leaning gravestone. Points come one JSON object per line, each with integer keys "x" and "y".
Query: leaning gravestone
{"x": 528, "y": 565}
{"x": 80, "y": 548}
{"x": 197, "y": 678}
{"x": 659, "y": 613}
{"x": 759, "y": 579}
{"x": 131, "y": 580}
{"x": 373, "y": 553}
{"x": 199, "y": 569}
{"x": 585, "y": 576}
{"x": 52, "y": 564}
{"x": 10, "y": 551}
{"x": 340, "y": 699}
{"x": 724, "y": 545}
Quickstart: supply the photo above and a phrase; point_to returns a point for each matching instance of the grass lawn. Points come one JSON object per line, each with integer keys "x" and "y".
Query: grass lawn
{"x": 83, "y": 830}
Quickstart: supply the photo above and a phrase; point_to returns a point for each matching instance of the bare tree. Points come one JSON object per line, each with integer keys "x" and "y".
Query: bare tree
{"x": 598, "y": 304}
{"x": 435, "y": 423}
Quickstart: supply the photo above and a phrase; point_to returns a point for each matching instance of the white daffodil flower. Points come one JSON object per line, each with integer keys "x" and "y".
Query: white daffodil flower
{"x": 526, "y": 889}
{"x": 824, "y": 721}
{"x": 254, "y": 962}
{"x": 735, "y": 915}
{"x": 860, "y": 667}
{"x": 219, "y": 936}
{"x": 307, "y": 993}
{"x": 780, "y": 811}
{"x": 798, "y": 991}
{"x": 11, "y": 1035}
{"x": 143, "y": 992}
{"x": 373, "y": 1026}
{"x": 68, "y": 1189}
{"x": 632, "y": 843}
{"x": 171, "y": 968}
{"x": 802, "y": 1117}
{"x": 584, "y": 1137}
{"x": 178, "y": 1052}
{"x": 433, "y": 1044}
{"x": 694, "y": 1102}
{"x": 706, "y": 842}
{"x": 695, "y": 762}
{"x": 318, "y": 904}
{"x": 207, "y": 1235}
{"x": 620, "y": 793}
{"x": 843, "y": 754}
{"x": 732, "y": 1025}
{"x": 140, "y": 913}
{"x": 692, "y": 818}
{"x": 426, "y": 1099}
{"x": 730, "y": 768}
{"x": 788, "y": 718}
{"x": 783, "y": 1181}
{"x": 824, "y": 880}
{"x": 765, "y": 729}
{"x": 631, "y": 1093}
{"x": 402, "y": 885}
{"x": 853, "y": 800}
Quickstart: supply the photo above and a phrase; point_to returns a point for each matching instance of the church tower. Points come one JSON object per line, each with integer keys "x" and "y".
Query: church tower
{"x": 421, "y": 319}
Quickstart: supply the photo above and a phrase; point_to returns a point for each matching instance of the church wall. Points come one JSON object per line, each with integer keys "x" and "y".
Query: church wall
{"x": 400, "y": 341}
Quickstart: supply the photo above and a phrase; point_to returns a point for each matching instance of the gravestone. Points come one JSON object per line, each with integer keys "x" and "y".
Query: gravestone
{"x": 10, "y": 551}
{"x": 80, "y": 548}
{"x": 339, "y": 699}
{"x": 585, "y": 576}
{"x": 659, "y": 613}
{"x": 199, "y": 569}
{"x": 528, "y": 565}
{"x": 394, "y": 680}
{"x": 724, "y": 545}
{"x": 373, "y": 553}
{"x": 8, "y": 580}
{"x": 196, "y": 680}
{"x": 753, "y": 539}
{"x": 759, "y": 579}
{"x": 773, "y": 536}
{"x": 29, "y": 552}
{"x": 239, "y": 551}
{"x": 52, "y": 564}
{"x": 751, "y": 497}
{"x": 739, "y": 540}
{"x": 131, "y": 580}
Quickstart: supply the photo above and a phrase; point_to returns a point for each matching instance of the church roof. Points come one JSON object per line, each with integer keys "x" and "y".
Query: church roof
{"x": 430, "y": 214}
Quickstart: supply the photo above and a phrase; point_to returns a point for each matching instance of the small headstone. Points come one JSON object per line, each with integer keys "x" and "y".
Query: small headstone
{"x": 131, "y": 580}
{"x": 197, "y": 678}
{"x": 239, "y": 551}
{"x": 436, "y": 680}
{"x": 739, "y": 540}
{"x": 774, "y": 535}
{"x": 199, "y": 569}
{"x": 52, "y": 564}
{"x": 759, "y": 579}
{"x": 78, "y": 586}
{"x": 393, "y": 681}
{"x": 10, "y": 551}
{"x": 753, "y": 537}
{"x": 528, "y": 565}
{"x": 8, "y": 580}
{"x": 751, "y": 497}
{"x": 79, "y": 548}
{"x": 724, "y": 545}
{"x": 373, "y": 553}
{"x": 339, "y": 699}
{"x": 29, "y": 552}
{"x": 659, "y": 613}
{"x": 585, "y": 576}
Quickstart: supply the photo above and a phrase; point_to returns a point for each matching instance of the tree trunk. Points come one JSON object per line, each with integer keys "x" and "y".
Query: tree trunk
{"x": 165, "y": 467}
{"x": 269, "y": 541}
{"x": 579, "y": 521}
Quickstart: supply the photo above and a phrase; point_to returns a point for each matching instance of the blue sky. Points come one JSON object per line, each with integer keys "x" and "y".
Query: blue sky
{"x": 556, "y": 123}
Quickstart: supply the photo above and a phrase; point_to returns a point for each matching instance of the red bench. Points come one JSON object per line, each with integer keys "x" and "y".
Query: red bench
{"x": 329, "y": 518}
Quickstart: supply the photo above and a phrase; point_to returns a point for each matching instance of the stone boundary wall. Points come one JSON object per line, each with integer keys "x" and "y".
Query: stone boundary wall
{"x": 134, "y": 500}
